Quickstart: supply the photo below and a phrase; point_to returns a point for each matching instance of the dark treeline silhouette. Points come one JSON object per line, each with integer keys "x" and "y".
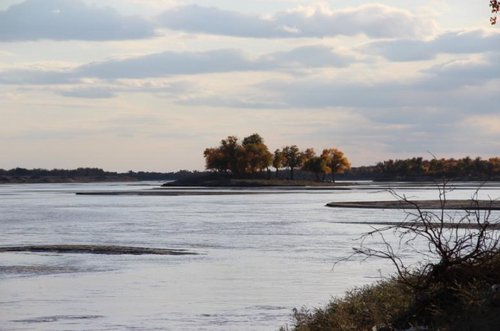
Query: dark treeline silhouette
{"x": 22, "y": 175}
{"x": 419, "y": 169}
{"x": 309, "y": 167}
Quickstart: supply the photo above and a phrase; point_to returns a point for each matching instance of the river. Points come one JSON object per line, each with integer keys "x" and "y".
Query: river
{"x": 259, "y": 255}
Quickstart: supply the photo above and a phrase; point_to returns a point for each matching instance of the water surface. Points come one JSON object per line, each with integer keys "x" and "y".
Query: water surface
{"x": 260, "y": 256}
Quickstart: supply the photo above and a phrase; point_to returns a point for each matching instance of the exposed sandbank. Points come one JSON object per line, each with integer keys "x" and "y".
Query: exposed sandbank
{"x": 96, "y": 249}
{"x": 446, "y": 225}
{"x": 423, "y": 204}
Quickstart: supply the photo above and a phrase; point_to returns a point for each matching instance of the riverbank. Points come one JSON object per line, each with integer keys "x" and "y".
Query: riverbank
{"x": 422, "y": 204}
{"x": 215, "y": 181}
{"x": 468, "y": 300}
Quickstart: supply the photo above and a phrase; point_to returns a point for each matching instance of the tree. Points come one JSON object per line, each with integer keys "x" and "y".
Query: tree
{"x": 293, "y": 158}
{"x": 230, "y": 149}
{"x": 239, "y": 159}
{"x": 316, "y": 165}
{"x": 214, "y": 159}
{"x": 495, "y": 8}
{"x": 255, "y": 155}
{"x": 336, "y": 161}
{"x": 278, "y": 160}
{"x": 308, "y": 154}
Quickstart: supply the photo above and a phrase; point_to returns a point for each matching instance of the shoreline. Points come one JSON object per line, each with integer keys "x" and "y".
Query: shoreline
{"x": 422, "y": 204}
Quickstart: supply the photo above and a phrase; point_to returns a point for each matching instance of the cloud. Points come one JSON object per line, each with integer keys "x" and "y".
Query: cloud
{"x": 486, "y": 124}
{"x": 466, "y": 72}
{"x": 373, "y": 20}
{"x": 308, "y": 56}
{"x": 324, "y": 93}
{"x": 36, "y": 77}
{"x": 182, "y": 63}
{"x": 169, "y": 63}
{"x": 465, "y": 86}
{"x": 69, "y": 20}
{"x": 453, "y": 42}
{"x": 88, "y": 92}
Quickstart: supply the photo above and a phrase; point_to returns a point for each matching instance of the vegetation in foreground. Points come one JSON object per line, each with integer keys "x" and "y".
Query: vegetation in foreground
{"x": 468, "y": 302}
{"x": 456, "y": 286}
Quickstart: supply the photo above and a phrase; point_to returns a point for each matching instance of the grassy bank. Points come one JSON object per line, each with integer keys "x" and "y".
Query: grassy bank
{"x": 466, "y": 299}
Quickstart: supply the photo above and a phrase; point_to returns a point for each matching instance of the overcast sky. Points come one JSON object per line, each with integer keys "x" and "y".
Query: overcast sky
{"x": 149, "y": 84}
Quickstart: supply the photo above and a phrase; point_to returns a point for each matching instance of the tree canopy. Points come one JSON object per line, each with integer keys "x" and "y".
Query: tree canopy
{"x": 239, "y": 159}
{"x": 252, "y": 156}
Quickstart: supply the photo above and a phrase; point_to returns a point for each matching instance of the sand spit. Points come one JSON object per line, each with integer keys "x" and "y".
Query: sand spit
{"x": 423, "y": 204}
{"x": 169, "y": 193}
{"x": 210, "y": 191}
{"x": 445, "y": 225}
{"x": 96, "y": 249}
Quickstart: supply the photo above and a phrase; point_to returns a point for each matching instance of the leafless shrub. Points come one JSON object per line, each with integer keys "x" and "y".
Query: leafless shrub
{"x": 453, "y": 240}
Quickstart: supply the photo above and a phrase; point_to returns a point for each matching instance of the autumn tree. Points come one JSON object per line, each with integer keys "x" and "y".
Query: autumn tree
{"x": 239, "y": 159}
{"x": 255, "y": 155}
{"x": 336, "y": 161}
{"x": 316, "y": 165}
{"x": 293, "y": 158}
{"x": 231, "y": 149}
{"x": 278, "y": 160}
{"x": 308, "y": 154}
{"x": 214, "y": 159}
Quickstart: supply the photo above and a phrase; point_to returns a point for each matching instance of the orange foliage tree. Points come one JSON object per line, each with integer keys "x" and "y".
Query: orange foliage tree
{"x": 336, "y": 161}
{"x": 237, "y": 159}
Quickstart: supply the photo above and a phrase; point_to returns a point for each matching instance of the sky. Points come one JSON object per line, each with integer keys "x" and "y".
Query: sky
{"x": 149, "y": 84}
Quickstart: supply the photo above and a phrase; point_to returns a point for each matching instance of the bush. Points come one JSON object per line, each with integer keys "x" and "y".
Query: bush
{"x": 450, "y": 290}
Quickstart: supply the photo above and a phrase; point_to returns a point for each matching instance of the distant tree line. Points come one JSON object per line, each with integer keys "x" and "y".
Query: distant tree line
{"x": 254, "y": 160}
{"x": 252, "y": 157}
{"x": 23, "y": 175}
{"x": 419, "y": 169}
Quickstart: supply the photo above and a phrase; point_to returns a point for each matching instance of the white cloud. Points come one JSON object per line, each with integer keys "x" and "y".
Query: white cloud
{"x": 487, "y": 124}
{"x": 373, "y": 20}
{"x": 69, "y": 20}
{"x": 452, "y": 42}
{"x": 182, "y": 63}
{"x": 88, "y": 92}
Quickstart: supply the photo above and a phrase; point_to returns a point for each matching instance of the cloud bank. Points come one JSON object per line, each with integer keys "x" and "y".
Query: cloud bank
{"x": 182, "y": 63}
{"x": 452, "y": 42}
{"x": 372, "y": 20}
{"x": 69, "y": 20}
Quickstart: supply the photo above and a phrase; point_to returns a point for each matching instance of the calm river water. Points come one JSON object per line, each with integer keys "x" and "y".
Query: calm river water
{"x": 260, "y": 256}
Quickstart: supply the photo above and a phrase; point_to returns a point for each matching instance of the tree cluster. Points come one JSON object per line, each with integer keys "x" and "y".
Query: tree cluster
{"x": 252, "y": 156}
{"x": 231, "y": 157}
{"x": 330, "y": 161}
{"x": 464, "y": 168}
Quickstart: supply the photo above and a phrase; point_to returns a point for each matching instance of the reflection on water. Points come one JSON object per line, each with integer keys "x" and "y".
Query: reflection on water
{"x": 262, "y": 255}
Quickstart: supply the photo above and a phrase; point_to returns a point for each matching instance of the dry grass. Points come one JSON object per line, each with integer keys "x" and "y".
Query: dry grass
{"x": 464, "y": 302}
